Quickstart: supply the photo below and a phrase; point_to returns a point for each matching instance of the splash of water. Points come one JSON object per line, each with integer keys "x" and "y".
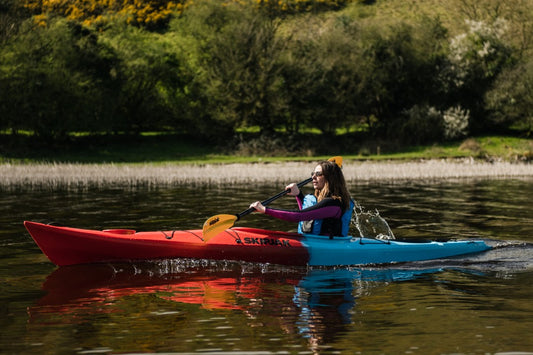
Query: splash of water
{"x": 370, "y": 224}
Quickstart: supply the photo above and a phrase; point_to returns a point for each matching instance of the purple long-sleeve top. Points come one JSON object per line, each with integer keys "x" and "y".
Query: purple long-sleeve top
{"x": 327, "y": 208}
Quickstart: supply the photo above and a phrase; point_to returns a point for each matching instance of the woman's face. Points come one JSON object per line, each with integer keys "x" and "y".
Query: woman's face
{"x": 318, "y": 178}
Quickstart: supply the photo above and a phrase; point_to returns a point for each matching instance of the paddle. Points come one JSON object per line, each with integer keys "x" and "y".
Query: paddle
{"x": 220, "y": 222}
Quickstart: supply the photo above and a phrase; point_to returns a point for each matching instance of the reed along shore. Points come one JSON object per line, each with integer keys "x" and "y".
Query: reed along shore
{"x": 54, "y": 175}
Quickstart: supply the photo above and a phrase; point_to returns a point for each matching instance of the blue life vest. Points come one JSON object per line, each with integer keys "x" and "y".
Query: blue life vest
{"x": 310, "y": 200}
{"x": 346, "y": 218}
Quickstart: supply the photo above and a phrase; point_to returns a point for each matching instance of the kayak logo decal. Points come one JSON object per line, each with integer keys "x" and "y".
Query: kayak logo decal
{"x": 266, "y": 241}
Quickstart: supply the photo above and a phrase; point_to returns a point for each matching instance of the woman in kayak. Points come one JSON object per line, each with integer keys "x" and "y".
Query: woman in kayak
{"x": 327, "y": 212}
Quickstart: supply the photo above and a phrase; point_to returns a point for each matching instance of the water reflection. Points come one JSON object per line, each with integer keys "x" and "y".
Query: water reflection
{"x": 316, "y": 304}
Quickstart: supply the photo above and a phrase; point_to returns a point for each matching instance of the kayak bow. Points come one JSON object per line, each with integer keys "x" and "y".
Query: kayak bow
{"x": 68, "y": 246}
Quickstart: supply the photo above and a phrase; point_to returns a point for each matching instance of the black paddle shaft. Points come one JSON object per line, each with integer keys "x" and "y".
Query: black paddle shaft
{"x": 273, "y": 198}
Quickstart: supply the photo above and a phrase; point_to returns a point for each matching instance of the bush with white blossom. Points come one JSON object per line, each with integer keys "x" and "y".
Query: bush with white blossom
{"x": 455, "y": 121}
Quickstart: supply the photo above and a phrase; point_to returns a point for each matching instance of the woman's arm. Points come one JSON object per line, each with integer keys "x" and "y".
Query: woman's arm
{"x": 294, "y": 190}
{"x": 327, "y": 208}
{"x": 300, "y": 200}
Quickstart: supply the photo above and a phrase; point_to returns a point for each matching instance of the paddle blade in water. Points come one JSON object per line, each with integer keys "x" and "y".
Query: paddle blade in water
{"x": 217, "y": 224}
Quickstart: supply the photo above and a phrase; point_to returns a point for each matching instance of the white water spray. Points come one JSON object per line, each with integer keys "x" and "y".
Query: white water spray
{"x": 370, "y": 224}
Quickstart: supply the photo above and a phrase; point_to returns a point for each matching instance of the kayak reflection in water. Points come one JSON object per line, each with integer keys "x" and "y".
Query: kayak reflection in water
{"x": 327, "y": 212}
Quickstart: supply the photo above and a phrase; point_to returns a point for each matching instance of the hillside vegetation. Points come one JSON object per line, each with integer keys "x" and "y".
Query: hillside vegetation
{"x": 293, "y": 75}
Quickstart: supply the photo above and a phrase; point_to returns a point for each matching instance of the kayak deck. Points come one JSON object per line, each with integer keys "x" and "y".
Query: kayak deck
{"x": 360, "y": 251}
{"x": 68, "y": 246}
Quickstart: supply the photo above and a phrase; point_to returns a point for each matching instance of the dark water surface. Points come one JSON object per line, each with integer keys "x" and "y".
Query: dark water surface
{"x": 480, "y": 304}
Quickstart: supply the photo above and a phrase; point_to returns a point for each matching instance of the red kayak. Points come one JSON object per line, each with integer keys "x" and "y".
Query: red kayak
{"x": 67, "y": 246}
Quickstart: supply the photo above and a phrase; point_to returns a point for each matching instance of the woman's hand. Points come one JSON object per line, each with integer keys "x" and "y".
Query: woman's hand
{"x": 293, "y": 189}
{"x": 258, "y": 206}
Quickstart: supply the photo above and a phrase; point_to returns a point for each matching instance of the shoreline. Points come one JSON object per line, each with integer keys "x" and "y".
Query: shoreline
{"x": 53, "y": 175}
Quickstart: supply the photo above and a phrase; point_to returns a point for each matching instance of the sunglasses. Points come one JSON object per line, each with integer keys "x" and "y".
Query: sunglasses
{"x": 316, "y": 173}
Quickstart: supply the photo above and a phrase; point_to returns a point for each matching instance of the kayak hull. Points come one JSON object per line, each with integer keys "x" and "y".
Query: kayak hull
{"x": 69, "y": 246}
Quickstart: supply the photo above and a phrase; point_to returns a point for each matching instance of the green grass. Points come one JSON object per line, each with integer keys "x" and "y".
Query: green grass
{"x": 487, "y": 147}
{"x": 166, "y": 148}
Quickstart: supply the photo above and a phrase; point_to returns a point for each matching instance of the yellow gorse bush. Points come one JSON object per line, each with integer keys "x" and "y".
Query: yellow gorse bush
{"x": 152, "y": 13}
{"x": 91, "y": 12}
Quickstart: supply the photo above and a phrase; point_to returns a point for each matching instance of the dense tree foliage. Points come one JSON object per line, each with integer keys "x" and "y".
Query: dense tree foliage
{"x": 210, "y": 68}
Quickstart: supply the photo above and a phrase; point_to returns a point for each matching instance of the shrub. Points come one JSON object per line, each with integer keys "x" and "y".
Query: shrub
{"x": 511, "y": 99}
{"x": 455, "y": 121}
{"x": 422, "y": 124}
{"x": 153, "y": 14}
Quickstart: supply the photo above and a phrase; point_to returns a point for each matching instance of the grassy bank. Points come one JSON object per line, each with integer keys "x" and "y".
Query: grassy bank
{"x": 154, "y": 159}
{"x": 76, "y": 176}
{"x": 482, "y": 148}
{"x": 167, "y": 148}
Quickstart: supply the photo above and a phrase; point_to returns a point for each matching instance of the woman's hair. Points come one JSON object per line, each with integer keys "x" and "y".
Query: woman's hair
{"x": 334, "y": 184}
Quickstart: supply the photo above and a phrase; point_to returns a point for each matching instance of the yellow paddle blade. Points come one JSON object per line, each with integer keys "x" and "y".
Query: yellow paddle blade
{"x": 337, "y": 160}
{"x": 217, "y": 224}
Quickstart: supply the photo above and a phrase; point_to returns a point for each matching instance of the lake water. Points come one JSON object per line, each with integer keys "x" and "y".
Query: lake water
{"x": 479, "y": 304}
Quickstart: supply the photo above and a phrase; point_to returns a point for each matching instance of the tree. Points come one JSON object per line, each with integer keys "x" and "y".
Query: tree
{"x": 511, "y": 99}
{"x": 323, "y": 73}
{"x": 404, "y": 67}
{"x": 476, "y": 59}
{"x": 52, "y": 79}
{"x": 147, "y": 78}
{"x": 245, "y": 72}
